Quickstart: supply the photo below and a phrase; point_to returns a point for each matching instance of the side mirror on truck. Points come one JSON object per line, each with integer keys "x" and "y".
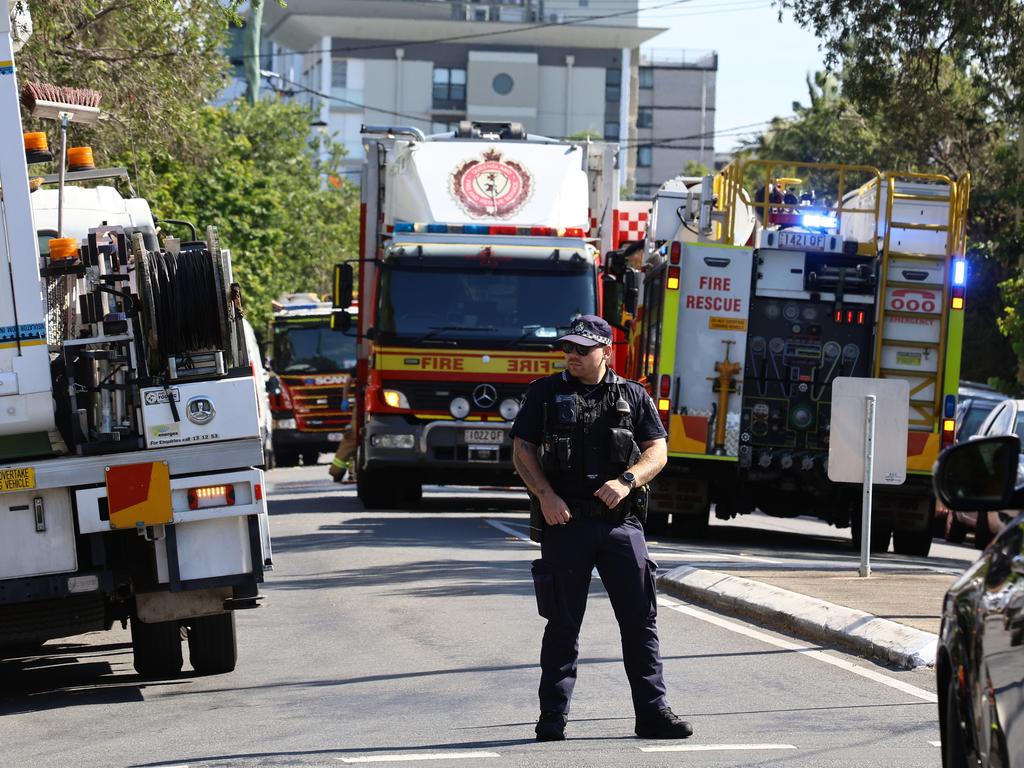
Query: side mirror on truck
{"x": 620, "y": 295}
{"x": 341, "y": 297}
{"x": 631, "y": 297}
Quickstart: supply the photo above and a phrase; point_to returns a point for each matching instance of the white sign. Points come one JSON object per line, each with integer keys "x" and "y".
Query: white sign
{"x": 846, "y": 440}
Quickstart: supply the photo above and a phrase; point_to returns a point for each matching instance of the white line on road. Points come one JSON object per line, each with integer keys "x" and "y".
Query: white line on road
{"x": 935, "y": 743}
{"x": 408, "y": 758}
{"x": 511, "y": 531}
{"x": 715, "y": 747}
{"x": 698, "y": 557}
{"x": 778, "y": 642}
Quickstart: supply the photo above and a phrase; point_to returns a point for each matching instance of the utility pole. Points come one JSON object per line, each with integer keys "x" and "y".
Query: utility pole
{"x": 251, "y": 49}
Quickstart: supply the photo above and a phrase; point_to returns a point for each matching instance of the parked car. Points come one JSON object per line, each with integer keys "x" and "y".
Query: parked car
{"x": 1007, "y": 418}
{"x": 980, "y": 658}
{"x": 974, "y": 403}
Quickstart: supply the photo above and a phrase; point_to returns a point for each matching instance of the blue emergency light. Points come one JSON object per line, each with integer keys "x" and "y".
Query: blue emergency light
{"x": 818, "y": 221}
{"x": 959, "y": 272}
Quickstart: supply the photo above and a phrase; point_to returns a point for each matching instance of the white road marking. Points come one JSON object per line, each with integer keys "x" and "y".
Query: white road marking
{"x": 511, "y": 531}
{"x": 715, "y": 747}
{"x": 813, "y": 653}
{"x": 935, "y": 743}
{"x": 698, "y": 557}
{"x": 409, "y": 758}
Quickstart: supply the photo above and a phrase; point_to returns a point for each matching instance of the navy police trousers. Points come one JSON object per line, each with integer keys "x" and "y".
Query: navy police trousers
{"x": 569, "y": 554}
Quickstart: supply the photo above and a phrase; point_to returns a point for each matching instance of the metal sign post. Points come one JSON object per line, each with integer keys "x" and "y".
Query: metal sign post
{"x": 868, "y": 442}
{"x": 869, "y": 471}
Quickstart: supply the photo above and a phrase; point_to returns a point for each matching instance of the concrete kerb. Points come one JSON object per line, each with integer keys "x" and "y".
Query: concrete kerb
{"x": 805, "y": 617}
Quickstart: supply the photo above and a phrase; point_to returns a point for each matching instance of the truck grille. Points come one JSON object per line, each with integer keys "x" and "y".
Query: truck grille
{"x": 438, "y": 395}
{"x": 317, "y": 408}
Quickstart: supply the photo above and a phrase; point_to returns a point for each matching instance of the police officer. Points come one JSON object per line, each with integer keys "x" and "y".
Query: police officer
{"x": 587, "y": 442}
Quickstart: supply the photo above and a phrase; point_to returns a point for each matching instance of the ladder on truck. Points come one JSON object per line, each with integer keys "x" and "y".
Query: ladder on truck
{"x": 924, "y": 232}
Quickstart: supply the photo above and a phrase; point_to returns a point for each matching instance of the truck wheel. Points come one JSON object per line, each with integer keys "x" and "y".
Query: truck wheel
{"x": 656, "y": 524}
{"x": 692, "y": 526}
{"x": 377, "y": 491}
{"x": 212, "y": 647}
{"x": 156, "y": 648}
{"x": 310, "y": 458}
{"x": 880, "y": 534}
{"x": 286, "y": 457}
{"x": 412, "y": 494}
{"x": 917, "y": 543}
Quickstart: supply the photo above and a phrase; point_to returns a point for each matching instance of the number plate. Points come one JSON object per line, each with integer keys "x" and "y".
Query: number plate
{"x": 17, "y": 479}
{"x": 493, "y": 436}
{"x": 802, "y": 241}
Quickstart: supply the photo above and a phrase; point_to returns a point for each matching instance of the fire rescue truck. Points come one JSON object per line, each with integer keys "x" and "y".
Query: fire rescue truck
{"x": 129, "y": 435}
{"x": 479, "y": 247}
{"x": 310, "y": 391}
{"x": 758, "y": 290}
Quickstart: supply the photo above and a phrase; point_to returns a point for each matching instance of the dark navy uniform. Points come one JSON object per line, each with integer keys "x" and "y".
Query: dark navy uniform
{"x": 593, "y": 452}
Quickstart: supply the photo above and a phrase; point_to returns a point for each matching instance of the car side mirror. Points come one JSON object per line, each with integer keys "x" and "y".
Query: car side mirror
{"x": 979, "y": 475}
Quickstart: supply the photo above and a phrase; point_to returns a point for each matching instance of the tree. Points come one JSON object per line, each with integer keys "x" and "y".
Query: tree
{"x": 267, "y": 187}
{"x": 154, "y": 62}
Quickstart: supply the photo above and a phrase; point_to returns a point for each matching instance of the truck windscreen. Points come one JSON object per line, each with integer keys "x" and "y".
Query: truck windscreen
{"x": 312, "y": 348}
{"x": 508, "y": 305}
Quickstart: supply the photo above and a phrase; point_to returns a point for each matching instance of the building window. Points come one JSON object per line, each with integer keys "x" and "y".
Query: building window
{"x": 449, "y": 87}
{"x": 611, "y": 130}
{"x": 613, "y": 85}
{"x": 645, "y": 117}
{"x": 502, "y": 84}
{"x": 584, "y": 3}
{"x": 643, "y": 157}
{"x": 339, "y": 73}
{"x": 646, "y": 78}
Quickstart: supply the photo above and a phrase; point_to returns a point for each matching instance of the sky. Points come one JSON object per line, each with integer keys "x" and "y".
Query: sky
{"x": 762, "y": 64}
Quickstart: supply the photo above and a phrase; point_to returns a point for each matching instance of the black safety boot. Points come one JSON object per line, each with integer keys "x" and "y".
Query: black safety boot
{"x": 663, "y": 724}
{"x": 551, "y": 726}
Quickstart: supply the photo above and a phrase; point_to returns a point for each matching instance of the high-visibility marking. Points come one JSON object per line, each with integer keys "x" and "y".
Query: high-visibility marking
{"x": 408, "y": 758}
{"x": 716, "y": 747}
{"x": 808, "y": 651}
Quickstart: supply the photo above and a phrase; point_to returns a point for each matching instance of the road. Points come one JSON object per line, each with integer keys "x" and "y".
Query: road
{"x": 387, "y": 636}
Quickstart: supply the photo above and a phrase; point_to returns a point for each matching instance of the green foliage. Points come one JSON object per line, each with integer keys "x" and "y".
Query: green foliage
{"x": 693, "y": 168}
{"x": 590, "y": 133}
{"x": 153, "y": 62}
{"x": 286, "y": 215}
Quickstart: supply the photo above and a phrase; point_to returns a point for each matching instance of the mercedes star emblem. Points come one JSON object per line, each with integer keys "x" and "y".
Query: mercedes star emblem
{"x": 485, "y": 396}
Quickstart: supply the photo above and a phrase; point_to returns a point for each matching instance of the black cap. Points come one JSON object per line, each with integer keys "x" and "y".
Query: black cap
{"x": 589, "y": 330}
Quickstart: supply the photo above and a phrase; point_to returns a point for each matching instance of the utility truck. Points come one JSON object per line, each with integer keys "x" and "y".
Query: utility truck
{"x": 129, "y": 430}
{"x": 763, "y": 284}
{"x": 479, "y": 246}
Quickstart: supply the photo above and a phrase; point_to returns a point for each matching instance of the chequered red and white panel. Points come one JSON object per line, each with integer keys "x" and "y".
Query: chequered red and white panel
{"x": 631, "y": 221}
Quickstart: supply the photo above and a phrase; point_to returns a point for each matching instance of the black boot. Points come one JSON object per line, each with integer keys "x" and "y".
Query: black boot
{"x": 551, "y": 726}
{"x": 663, "y": 724}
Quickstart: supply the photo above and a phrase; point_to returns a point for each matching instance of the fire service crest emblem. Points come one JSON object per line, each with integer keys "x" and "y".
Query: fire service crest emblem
{"x": 490, "y": 187}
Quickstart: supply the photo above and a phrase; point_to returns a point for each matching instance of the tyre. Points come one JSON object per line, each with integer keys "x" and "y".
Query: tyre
{"x": 212, "y": 647}
{"x": 377, "y": 491}
{"x": 156, "y": 648}
{"x": 916, "y": 543}
{"x": 692, "y": 526}
{"x": 656, "y": 524}
{"x": 286, "y": 457}
{"x": 880, "y": 534}
{"x": 954, "y": 750}
{"x": 411, "y": 494}
{"x": 310, "y": 458}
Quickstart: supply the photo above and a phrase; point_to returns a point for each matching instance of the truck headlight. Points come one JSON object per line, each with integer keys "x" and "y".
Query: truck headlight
{"x": 392, "y": 441}
{"x": 395, "y": 399}
{"x": 284, "y": 424}
{"x": 459, "y": 407}
{"x": 509, "y": 409}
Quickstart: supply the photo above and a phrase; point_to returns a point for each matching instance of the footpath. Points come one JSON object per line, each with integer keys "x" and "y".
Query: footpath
{"x": 892, "y": 616}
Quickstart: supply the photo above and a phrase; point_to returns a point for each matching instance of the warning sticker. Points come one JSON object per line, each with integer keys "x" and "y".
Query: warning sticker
{"x": 908, "y": 358}
{"x": 727, "y": 324}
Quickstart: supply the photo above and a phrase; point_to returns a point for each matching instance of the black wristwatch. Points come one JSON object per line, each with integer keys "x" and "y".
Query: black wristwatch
{"x": 629, "y": 479}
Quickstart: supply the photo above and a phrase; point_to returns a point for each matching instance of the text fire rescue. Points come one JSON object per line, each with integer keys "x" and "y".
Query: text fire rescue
{"x": 711, "y": 301}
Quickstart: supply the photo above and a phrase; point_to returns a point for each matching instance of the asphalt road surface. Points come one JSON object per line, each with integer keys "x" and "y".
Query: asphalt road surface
{"x": 413, "y": 636}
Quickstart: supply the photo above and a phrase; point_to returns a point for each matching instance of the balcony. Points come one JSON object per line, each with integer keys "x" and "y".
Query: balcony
{"x": 683, "y": 58}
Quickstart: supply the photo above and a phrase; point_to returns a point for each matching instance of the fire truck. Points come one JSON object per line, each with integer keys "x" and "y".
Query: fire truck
{"x": 479, "y": 247}
{"x": 311, "y": 389}
{"x": 760, "y": 286}
{"x": 129, "y": 436}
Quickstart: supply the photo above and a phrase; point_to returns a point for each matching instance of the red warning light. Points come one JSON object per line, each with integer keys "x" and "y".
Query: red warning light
{"x": 860, "y": 318}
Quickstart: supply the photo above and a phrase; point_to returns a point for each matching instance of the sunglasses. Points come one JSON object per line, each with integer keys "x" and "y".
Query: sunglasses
{"x": 579, "y": 349}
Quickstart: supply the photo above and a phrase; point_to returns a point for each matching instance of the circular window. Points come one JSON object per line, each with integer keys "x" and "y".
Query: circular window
{"x": 502, "y": 83}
